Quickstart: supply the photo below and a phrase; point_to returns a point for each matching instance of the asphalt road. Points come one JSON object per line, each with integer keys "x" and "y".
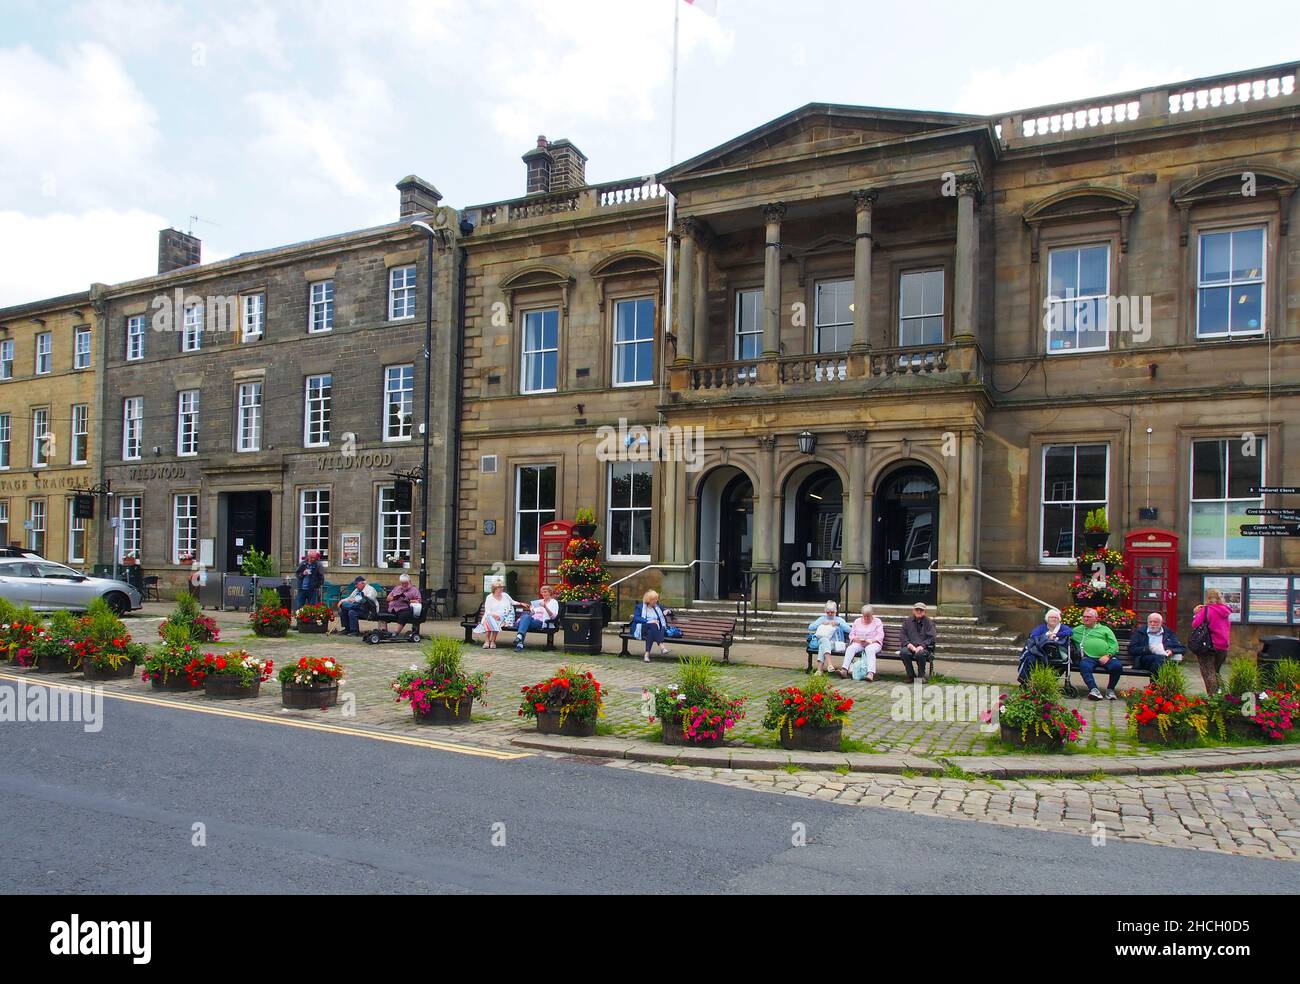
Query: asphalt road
{"x": 287, "y": 810}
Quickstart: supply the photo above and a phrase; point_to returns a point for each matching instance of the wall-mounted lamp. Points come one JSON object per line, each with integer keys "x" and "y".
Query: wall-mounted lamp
{"x": 807, "y": 442}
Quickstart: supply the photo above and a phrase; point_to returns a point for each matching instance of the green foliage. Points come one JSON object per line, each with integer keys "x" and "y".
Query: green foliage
{"x": 1171, "y": 678}
{"x": 64, "y": 625}
{"x": 1285, "y": 675}
{"x": 1044, "y": 682}
{"x": 1096, "y": 522}
{"x": 176, "y": 636}
{"x": 259, "y": 564}
{"x": 1243, "y": 676}
{"x": 443, "y": 655}
{"x": 584, "y": 516}
{"x": 187, "y": 608}
{"x": 696, "y": 673}
{"x": 8, "y": 611}
{"x": 268, "y": 598}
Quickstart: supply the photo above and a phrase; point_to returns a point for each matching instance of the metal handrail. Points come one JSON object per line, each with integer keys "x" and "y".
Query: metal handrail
{"x": 618, "y": 594}
{"x": 749, "y": 585}
{"x": 934, "y": 567}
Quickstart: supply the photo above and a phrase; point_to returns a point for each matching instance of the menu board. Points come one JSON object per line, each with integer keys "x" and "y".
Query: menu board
{"x": 1230, "y": 588}
{"x": 1267, "y": 600}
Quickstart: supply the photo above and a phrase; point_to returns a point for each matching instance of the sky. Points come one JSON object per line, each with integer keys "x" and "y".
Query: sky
{"x": 275, "y": 122}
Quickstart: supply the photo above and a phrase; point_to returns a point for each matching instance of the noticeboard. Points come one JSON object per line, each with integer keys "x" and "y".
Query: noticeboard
{"x": 1259, "y": 599}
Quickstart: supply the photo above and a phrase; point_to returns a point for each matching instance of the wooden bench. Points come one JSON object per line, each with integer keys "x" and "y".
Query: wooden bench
{"x": 1127, "y": 669}
{"x": 470, "y": 622}
{"x": 697, "y": 630}
{"x": 893, "y": 643}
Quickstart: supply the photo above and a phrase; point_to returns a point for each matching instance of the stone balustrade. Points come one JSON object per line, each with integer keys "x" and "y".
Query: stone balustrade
{"x": 831, "y": 370}
{"x": 644, "y": 191}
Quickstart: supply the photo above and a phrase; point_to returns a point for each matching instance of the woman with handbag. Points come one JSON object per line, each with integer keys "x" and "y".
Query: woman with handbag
{"x": 829, "y": 631}
{"x": 650, "y": 623}
{"x": 1211, "y": 630}
{"x": 498, "y": 613}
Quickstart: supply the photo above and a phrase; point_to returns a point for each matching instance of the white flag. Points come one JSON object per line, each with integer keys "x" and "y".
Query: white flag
{"x": 709, "y": 7}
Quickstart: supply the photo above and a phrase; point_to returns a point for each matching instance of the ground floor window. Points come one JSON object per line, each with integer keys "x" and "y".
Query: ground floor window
{"x": 36, "y": 526}
{"x": 129, "y": 512}
{"x": 76, "y": 536}
{"x": 534, "y": 506}
{"x": 185, "y": 528}
{"x": 314, "y": 521}
{"x": 1075, "y": 480}
{"x": 394, "y": 530}
{"x": 630, "y": 484}
{"x": 1224, "y": 473}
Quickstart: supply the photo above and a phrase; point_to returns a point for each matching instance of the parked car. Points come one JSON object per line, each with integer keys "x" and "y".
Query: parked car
{"x": 47, "y": 586}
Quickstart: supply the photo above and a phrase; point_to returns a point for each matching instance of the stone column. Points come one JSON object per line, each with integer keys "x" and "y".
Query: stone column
{"x": 865, "y": 201}
{"x": 701, "y": 292}
{"x": 767, "y": 551}
{"x": 772, "y": 215}
{"x": 853, "y": 557}
{"x": 685, "y": 293}
{"x": 967, "y": 266}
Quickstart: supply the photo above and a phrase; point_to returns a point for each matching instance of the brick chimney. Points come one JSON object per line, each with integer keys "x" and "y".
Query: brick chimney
{"x": 177, "y": 249}
{"x": 418, "y": 197}
{"x": 538, "y": 162}
{"x": 555, "y": 166}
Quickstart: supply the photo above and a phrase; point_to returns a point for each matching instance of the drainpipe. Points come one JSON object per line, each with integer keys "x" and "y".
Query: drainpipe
{"x": 458, "y": 375}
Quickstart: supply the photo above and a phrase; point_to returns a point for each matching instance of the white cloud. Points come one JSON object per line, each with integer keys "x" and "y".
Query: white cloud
{"x": 95, "y": 245}
{"x": 77, "y": 131}
{"x": 1061, "y": 76}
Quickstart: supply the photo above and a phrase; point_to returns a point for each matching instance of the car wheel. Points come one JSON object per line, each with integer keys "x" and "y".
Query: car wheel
{"x": 118, "y": 602}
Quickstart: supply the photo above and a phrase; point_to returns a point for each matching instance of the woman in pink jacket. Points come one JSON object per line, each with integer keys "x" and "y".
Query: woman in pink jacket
{"x": 1219, "y": 616}
{"x": 866, "y": 636}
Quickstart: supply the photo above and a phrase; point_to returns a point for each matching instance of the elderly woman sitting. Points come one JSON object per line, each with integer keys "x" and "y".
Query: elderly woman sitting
{"x": 1050, "y": 633}
{"x": 866, "y": 639}
{"x": 828, "y": 631}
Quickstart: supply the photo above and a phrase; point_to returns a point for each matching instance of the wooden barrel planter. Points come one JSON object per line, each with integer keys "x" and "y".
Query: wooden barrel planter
{"x": 445, "y": 712}
{"x": 174, "y": 681}
{"x": 313, "y": 628}
{"x": 810, "y": 739}
{"x": 674, "y": 735}
{"x": 48, "y": 665}
{"x": 223, "y": 686}
{"x": 308, "y": 697}
{"x": 548, "y": 723}
{"x": 1240, "y": 726}
{"x": 1011, "y": 736}
{"x": 93, "y": 671}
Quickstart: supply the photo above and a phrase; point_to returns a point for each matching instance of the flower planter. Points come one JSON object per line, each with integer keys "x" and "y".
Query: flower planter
{"x": 445, "y": 712}
{"x": 584, "y": 531}
{"x": 1011, "y": 736}
{"x": 1240, "y": 726}
{"x": 674, "y": 735}
{"x": 93, "y": 671}
{"x": 1150, "y": 733}
{"x": 55, "y": 666}
{"x": 307, "y": 697}
{"x": 174, "y": 681}
{"x": 811, "y": 739}
{"x": 1095, "y": 541}
{"x": 224, "y": 686}
{"x": 313, "y": 628}
{"x": 548, "y": 723}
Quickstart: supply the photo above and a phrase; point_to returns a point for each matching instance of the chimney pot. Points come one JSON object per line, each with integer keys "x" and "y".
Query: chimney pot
{"x": 417, "y": 197}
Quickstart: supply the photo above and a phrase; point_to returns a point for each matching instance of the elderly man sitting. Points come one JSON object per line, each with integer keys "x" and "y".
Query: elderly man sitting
{"x": 1150, "y": 648}
{"x": 1100, "y": 648}
{"x": 828, "y": 631}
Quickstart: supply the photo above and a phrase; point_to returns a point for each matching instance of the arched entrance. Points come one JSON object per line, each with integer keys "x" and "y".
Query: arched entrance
{"x": 812, "y": 524}
{"x": 724, "y": 534}
{"x": 905, "y": 536}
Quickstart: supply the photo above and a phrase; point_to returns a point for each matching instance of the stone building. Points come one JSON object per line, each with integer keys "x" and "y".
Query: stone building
{"x": 904, "y": 343}
{"x": 49, "y": 418}
{"x": 266, "y": 401}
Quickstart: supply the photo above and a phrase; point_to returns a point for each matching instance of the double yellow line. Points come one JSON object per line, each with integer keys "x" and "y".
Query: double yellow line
{"x": 442, "y": 746}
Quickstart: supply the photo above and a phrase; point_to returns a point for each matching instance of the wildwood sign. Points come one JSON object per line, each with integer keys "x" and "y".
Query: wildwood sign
{"x": 363, "y": 459}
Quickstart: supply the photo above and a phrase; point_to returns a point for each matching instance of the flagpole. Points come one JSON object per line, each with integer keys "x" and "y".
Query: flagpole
{"x": 672, "y": 208}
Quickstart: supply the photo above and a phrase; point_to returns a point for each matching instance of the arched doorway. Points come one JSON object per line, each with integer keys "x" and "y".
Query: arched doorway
{"x": 812, "y": 535}
{"x": 724, "y": 534}
{"x": 905, "y": 536}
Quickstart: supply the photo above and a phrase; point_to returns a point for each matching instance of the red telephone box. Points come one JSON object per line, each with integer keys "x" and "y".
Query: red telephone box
{"x": 553, "y": 538}
{"x": 1151, "y": 563}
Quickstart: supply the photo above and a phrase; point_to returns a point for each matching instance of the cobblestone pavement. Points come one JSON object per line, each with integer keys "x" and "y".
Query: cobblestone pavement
{"x": 1246, "y": 812}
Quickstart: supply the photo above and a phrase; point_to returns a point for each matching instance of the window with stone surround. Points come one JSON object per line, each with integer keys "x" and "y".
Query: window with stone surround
{"x": 399, "y": 402}
{"x": 920, "y": 308}
{"x": 394, "y": 528}
{"x": 76, "y": 536}
{"x": 248, "y": 433}
{"x": 6, "y": 439}
{"x": 1223, "y": 473}
{"x": 1077, "y": 309}
{"x": 132, "y": 427}
{"x": 634, "y": 341}
{"x": 135, "y": 338}
{"x": 832, "y": 316}
{"x": 534, "y": 507}
{"x": 630, "y": 508}
{"x": 7, "y": 359}
{"x": 36, "y": 526}
{"x": 748, "y": 343}
{"x": 130, "y": 509}
{"x": 185, "y": 526}
{"x": 192, "y": 328}
{"x": 401, "y": 293}
{"x": 44, "y": 353}
{"x": 321, "y": 317}
{"x": 187, "y": 423}
{"x": 80, "y": 433}
{"x": 1075, "y": 481}
{"x": 42, "y": 439}
{"x": 254, "y": 316}
{"x": 316, "y": 411}
{"x": 541, "y": 351}
{"x": 314, "y": 521}
{"x": 81, "y": 347}
{"x": 1230, "y": 283}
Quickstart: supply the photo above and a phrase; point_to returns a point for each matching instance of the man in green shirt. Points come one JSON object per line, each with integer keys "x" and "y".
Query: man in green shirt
{"x": 1100, "y": 648}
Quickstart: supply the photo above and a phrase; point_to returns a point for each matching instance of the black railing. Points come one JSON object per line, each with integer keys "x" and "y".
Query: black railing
{"x": 748, "y": 588}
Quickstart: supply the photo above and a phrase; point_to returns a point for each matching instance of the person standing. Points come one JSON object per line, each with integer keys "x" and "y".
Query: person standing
{"x": 918, "y": 642}
{"x": 310, "y": 578}
{"x": 1100, "y": 648}
{"x": 1219, "y": 618}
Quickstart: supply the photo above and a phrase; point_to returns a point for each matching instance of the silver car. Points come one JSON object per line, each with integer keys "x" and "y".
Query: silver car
{"x": 47, "y": 586}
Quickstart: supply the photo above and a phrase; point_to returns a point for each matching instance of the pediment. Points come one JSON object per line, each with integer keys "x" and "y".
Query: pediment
{"x": 818, "y": 128}
{"x": 1237, "y": 181}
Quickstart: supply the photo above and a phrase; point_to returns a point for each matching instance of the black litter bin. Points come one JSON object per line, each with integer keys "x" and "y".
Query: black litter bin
{"x": 1276, "y": 648}
{"x": 286, "y": 595}
{"x": 582, "y": 624}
